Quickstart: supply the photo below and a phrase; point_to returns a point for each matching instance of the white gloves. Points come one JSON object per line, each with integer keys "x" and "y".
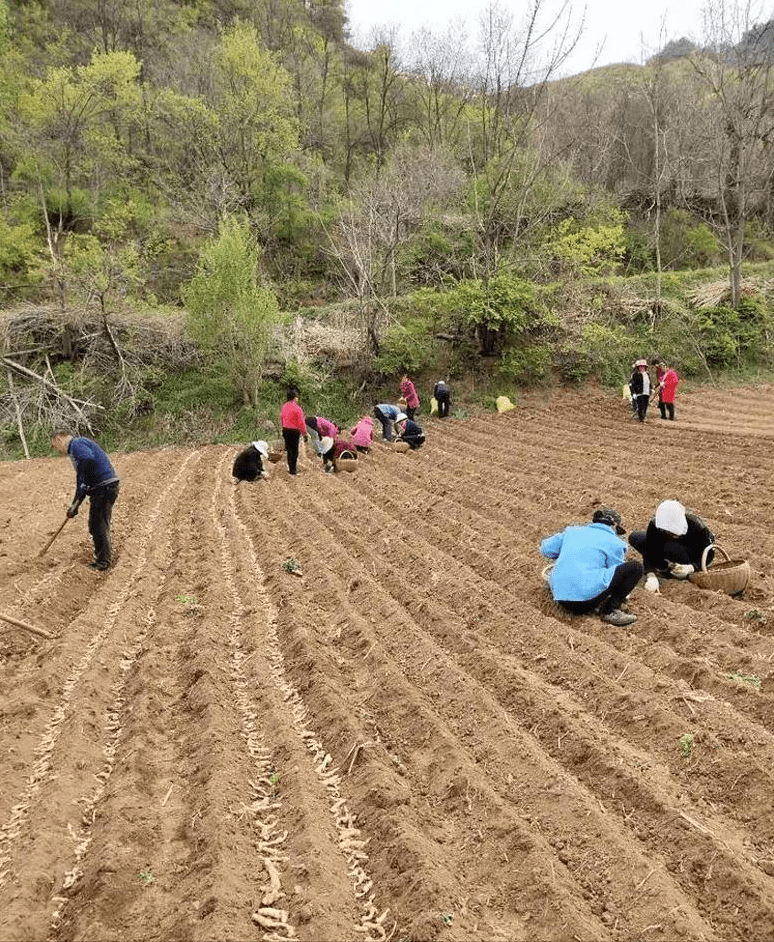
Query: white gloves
{"x": 651, "y": 582}
{"x": 681, "y": 570}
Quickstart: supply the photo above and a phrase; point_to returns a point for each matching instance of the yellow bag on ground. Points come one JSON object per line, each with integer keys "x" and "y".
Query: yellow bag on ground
{"x": 433, "y": 406}
{"x": 504, "y": 404}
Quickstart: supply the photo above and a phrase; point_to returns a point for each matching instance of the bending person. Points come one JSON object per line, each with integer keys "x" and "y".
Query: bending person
{"x": 673, "y": 544}
{"x": 590, "y": 573}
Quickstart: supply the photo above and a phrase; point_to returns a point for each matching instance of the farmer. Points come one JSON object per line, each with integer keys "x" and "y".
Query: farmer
{"x": 96, "y": 479}
{"x": 590, "y": 574}
{"x": 249, "y": 464}
{"x": 673, "y": 544}
{"x": 293, "y": 428}
{"x": 317, "y": 427}
{"x": 667, "y": 389}
{"x": 639, "y": 385}
{"x": 362, "y": 435}
{"x": 408, "y": 431}
{"x": 442, "y": 396}
{"x": 409, "y": 393}
{"x": 386, "y": 413}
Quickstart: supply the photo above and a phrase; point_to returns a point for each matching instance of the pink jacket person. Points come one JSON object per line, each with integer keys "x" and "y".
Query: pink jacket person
{"x": 362, "y": 435}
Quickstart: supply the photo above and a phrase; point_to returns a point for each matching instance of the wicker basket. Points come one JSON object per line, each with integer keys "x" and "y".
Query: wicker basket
{"x": 402, "y": 447}
{"x": 346, "y": 464}
{"x": 731, "y": 576}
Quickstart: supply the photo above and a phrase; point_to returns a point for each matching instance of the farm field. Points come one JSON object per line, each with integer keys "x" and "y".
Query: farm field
{"x": 408, "y": 740}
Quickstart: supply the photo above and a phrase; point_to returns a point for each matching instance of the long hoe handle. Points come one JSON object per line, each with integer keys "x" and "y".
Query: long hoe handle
{"x": 46, "y": 547}
{"x": 26, "y": 626}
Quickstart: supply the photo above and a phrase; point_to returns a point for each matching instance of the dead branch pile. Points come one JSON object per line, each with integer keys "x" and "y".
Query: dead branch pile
{"x": 709, "y": 295}
{"x": 81, "y": 335}
{"x": 340, "y": 344}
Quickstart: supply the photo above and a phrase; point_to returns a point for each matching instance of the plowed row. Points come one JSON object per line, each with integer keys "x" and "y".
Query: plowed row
{"x": 409, "y": 740}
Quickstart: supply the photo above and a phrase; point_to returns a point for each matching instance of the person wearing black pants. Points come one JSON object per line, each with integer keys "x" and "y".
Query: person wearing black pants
{"x": 293, "y": 424}
{"x": 96, "y": 479}
{"x": 625, "y": 578}
{"x": 590, "y": 572}
{"x": 101, "y": 500}
{"x": 441, "y": 395}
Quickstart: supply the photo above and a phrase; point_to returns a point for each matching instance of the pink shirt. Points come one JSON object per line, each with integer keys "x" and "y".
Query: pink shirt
{"x": 409, "y": 393}
{"x": 292, "y": 416}
{"x": 325, "y": 427}
{"x": 670, "y": 382}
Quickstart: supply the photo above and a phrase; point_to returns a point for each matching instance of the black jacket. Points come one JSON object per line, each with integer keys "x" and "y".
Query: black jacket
{"x": 412, "y": 433}
{"x": 662, "y": 548}
{"x": 248, "y": 464}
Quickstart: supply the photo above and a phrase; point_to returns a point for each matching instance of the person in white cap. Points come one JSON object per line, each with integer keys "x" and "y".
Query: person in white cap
{"x": 639, "y": 386}
{"x": 249, "y": 463}
{"x": 673, "y": 544}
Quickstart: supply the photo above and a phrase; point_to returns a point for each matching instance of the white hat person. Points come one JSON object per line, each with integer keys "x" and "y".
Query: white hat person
{"x": 261, "y": 447}
{"x": 670, "y": 516}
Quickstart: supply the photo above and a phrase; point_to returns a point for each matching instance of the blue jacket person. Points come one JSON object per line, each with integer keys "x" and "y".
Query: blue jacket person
{"x": 96, "y": 479}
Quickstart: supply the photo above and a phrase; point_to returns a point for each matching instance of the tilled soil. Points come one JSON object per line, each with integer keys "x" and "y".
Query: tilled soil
{"x": 408, "y": 740}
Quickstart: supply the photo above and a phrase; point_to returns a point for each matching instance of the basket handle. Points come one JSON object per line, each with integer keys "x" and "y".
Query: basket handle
{"x": 715, "y": 546}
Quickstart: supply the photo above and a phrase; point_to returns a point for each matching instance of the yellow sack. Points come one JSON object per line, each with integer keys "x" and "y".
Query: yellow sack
{"x": 504, "y": 404}
{"x": 626, "y": 393}
{"x": 433, "y": 406}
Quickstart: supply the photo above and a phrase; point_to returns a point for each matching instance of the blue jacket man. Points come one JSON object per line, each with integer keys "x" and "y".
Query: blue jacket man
{"x": 590, "y": 572}
{"x": 96, "y": 479}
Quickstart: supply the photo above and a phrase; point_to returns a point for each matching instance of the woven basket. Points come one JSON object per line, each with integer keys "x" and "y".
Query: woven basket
{"x": 731, "y": 576}
{"x": 346, "y": 464}
{"x": 401, "y": 447}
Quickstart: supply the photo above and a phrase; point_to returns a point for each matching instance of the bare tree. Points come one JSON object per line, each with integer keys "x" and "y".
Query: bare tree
{"x": 736, "y": 68}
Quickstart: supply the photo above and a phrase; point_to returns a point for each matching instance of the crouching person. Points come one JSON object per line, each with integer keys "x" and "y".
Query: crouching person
{"x": 673, "y": 545}
{"x": 590, "y": 574}
{"x": 250, "y": 464}
{"x": 408, "y": 431}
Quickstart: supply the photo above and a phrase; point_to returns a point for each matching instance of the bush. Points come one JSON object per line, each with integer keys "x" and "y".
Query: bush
{"x": 526, "y": 365}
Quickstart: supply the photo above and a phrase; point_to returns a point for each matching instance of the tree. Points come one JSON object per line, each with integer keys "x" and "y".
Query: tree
{"x": 737, "y": 70}
{"x": 230, "y": 313}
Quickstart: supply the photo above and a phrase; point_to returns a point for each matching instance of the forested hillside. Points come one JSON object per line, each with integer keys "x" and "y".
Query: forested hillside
{"x": 437, "y": 201}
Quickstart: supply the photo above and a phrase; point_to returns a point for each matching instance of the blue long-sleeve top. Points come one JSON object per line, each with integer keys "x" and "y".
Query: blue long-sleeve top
{"x": 586, "y": 558}
{"x": 92, "y": 467}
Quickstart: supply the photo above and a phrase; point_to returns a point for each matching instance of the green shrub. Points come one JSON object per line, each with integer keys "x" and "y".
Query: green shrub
{"x": 525, "y": 365}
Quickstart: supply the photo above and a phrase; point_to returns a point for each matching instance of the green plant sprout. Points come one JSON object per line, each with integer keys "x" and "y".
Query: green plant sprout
{"x": 291, "y": 565}
{"x": 686, "y": 743}
{"x": 185, "y": 599}
{"x": 752, "y": 679}
{"x": 145, "y": 876}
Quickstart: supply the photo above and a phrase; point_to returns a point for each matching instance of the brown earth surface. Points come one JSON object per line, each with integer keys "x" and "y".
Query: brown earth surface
{"x": 409, "y": 740}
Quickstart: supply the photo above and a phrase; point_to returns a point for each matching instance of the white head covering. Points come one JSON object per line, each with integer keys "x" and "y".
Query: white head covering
{"x": 326, "y": 443}
{"x": 262, "y": 447}
{"x": 670, "y": 516}
{"x": 400, "y": 417}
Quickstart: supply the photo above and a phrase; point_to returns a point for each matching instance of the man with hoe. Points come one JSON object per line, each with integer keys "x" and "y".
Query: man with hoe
{"x": 96, "y": 479}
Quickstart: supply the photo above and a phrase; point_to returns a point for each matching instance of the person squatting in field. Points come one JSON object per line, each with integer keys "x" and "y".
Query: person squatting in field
{"x": 362, "y": 435}
{"x": 673, "y": 544}
{"x": 408, "y": 392}
{"x": 249, "y": 463}
{"x": 387, "y": 413}
{"x": 96, "y": 479}
{"x": 409, "y": 432}
{"x": 442, "y": 396}
{"x": 590, "y": 573}
{"x": 293, "y": 428}
{"x": 667, "y": 390}
{"x": 639, "y": 386}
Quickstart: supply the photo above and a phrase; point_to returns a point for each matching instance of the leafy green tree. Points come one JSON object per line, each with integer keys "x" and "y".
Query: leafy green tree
{"x": 230, "y": 313}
